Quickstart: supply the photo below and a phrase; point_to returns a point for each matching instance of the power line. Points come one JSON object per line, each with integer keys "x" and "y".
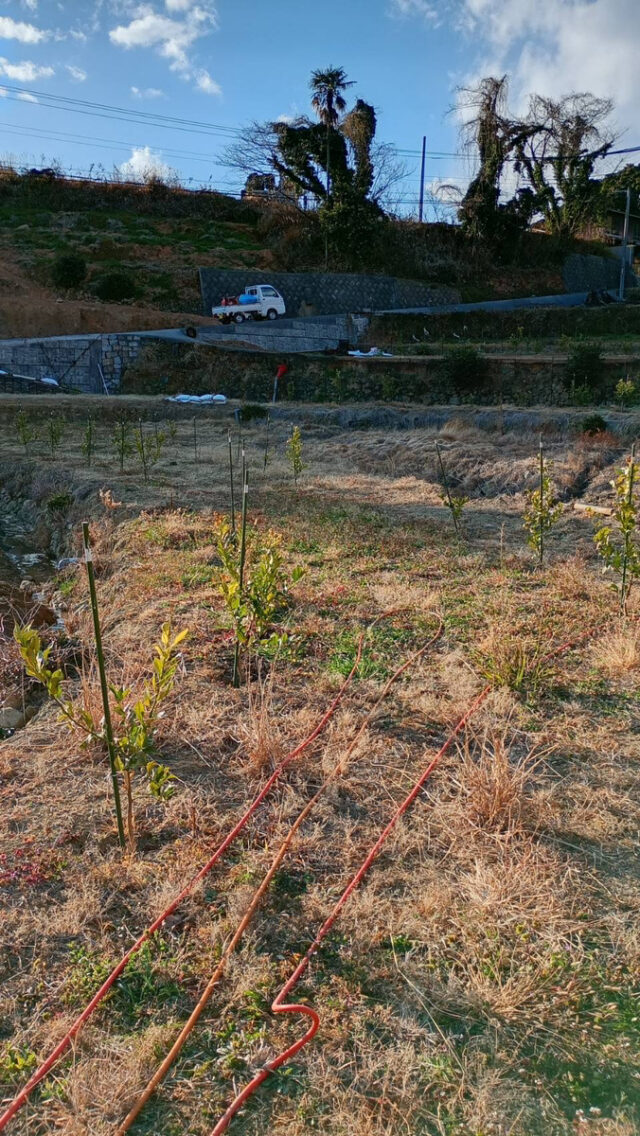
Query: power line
{"x": 436, "y": 156}
{"x": 85, "y": 140}
{"x": 106, "y": 110}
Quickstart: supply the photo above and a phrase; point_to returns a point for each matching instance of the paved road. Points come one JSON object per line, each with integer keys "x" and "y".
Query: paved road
{"x": 564, "y": 300}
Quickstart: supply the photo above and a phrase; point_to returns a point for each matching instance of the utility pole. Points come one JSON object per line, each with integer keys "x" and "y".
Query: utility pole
{"x": 422, "y": 171}
{"x": 625, "y": 242}
{"x": 326, "y": 233}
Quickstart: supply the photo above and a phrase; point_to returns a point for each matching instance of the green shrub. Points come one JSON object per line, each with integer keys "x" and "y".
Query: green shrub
{"x": 593, "y": 424}
{"x": 585, "y": 373}
{"x": 69, "y": 270}
{"x": 465, "y": 371}
{"x": 251, "y": 410}
{"x": 115, "y": 287}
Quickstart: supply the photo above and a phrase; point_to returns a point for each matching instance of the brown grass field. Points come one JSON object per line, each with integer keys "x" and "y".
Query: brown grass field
{"x": 483, "y": 980}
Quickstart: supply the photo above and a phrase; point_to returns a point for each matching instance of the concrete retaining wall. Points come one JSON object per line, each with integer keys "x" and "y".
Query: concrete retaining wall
{"x": 322, "y": 293}
{"x": 320, "y": 334}
{"x": 87, "y": 363}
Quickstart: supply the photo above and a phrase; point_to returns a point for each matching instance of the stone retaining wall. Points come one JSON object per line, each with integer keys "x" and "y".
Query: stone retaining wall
{"x": 75, "y": 361}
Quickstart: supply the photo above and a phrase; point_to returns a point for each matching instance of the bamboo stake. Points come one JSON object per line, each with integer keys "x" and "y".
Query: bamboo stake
{"x": 233, "y": 505}
{"x": 108, "y": 728}
{"x": 541, "y": 498}
{"x": 266, "y": 445}
{"x": 627, "y": 536}
{"x": 243, "y": 551}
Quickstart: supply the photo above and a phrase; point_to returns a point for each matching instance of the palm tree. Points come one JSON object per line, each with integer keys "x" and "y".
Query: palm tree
{"x": 327, "y": 87}
{"x": 328, "y": 103}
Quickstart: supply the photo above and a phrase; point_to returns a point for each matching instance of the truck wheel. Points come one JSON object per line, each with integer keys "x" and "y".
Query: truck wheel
{"x": 272, "y": 314}
{"x": 238, "y": 318}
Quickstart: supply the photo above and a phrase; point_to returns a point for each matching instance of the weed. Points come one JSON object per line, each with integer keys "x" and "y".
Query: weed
{"x": 87, "y": 972}
{"x": 519, "y": 665}
{"x": 198, "y": 576}
{"x": 294, "y": 454}
{"x": 622, "y": 553}
{"x": 542, "y": 509}
{"x": 16, "y": 1064}
{"x": 59, "y": 503}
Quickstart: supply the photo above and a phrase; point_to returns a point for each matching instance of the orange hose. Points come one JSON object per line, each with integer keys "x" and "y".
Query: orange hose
{"x": 100, "y": 994}
{"x": 278, "y": 1006}
{"x": 205, "y": 997}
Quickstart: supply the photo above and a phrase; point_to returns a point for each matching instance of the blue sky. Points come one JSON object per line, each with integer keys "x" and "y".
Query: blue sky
{"x": 226, "y": 63}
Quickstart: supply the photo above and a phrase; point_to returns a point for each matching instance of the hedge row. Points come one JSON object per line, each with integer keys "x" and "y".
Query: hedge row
{"x": 463, "y": 378}
{"x": 526, "y": 323}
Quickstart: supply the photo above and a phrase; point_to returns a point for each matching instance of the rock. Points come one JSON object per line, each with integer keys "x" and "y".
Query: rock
{"x": 66, "y": 562}
{"x": 11, "y": 719}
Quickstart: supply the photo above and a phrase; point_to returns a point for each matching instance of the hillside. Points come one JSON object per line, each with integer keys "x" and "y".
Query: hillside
{"x": 160, "y": 252}
{"x": 154, "y": 238}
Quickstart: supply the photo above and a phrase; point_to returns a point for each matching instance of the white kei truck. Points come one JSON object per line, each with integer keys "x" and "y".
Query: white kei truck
{"x": 258, "y": 301}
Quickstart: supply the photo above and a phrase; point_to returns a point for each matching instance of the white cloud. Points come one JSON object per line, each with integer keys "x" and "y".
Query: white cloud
{"x": 76, "y": 73}
{"x": 421, "y": 8}
{"x": 147, "y": 93}
{"x": 206, "y": 84}
{"x": 145, "y": 164}
{"x": 551, "y": 47}
{"x": 25, "y": 97}
{"x": 171, "y": 38}
{"x": 24, "y": 33}
{"x": 32, "y": 5}
{"x": 25, "y": 72}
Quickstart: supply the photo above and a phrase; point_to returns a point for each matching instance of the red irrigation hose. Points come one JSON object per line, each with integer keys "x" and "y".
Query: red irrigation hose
{"x": 278, "y": 1006}
{"x": 205, "y": 997}
{"x": 100, "y": 994}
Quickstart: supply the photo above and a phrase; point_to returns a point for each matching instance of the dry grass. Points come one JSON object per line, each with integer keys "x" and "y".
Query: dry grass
{"x": 482, "y": 980}
{"x": 618, "y": 651}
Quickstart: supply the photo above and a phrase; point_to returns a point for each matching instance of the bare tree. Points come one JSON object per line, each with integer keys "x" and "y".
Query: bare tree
{"x": 556, "y": 147}
{"x": 486, "y": 130}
